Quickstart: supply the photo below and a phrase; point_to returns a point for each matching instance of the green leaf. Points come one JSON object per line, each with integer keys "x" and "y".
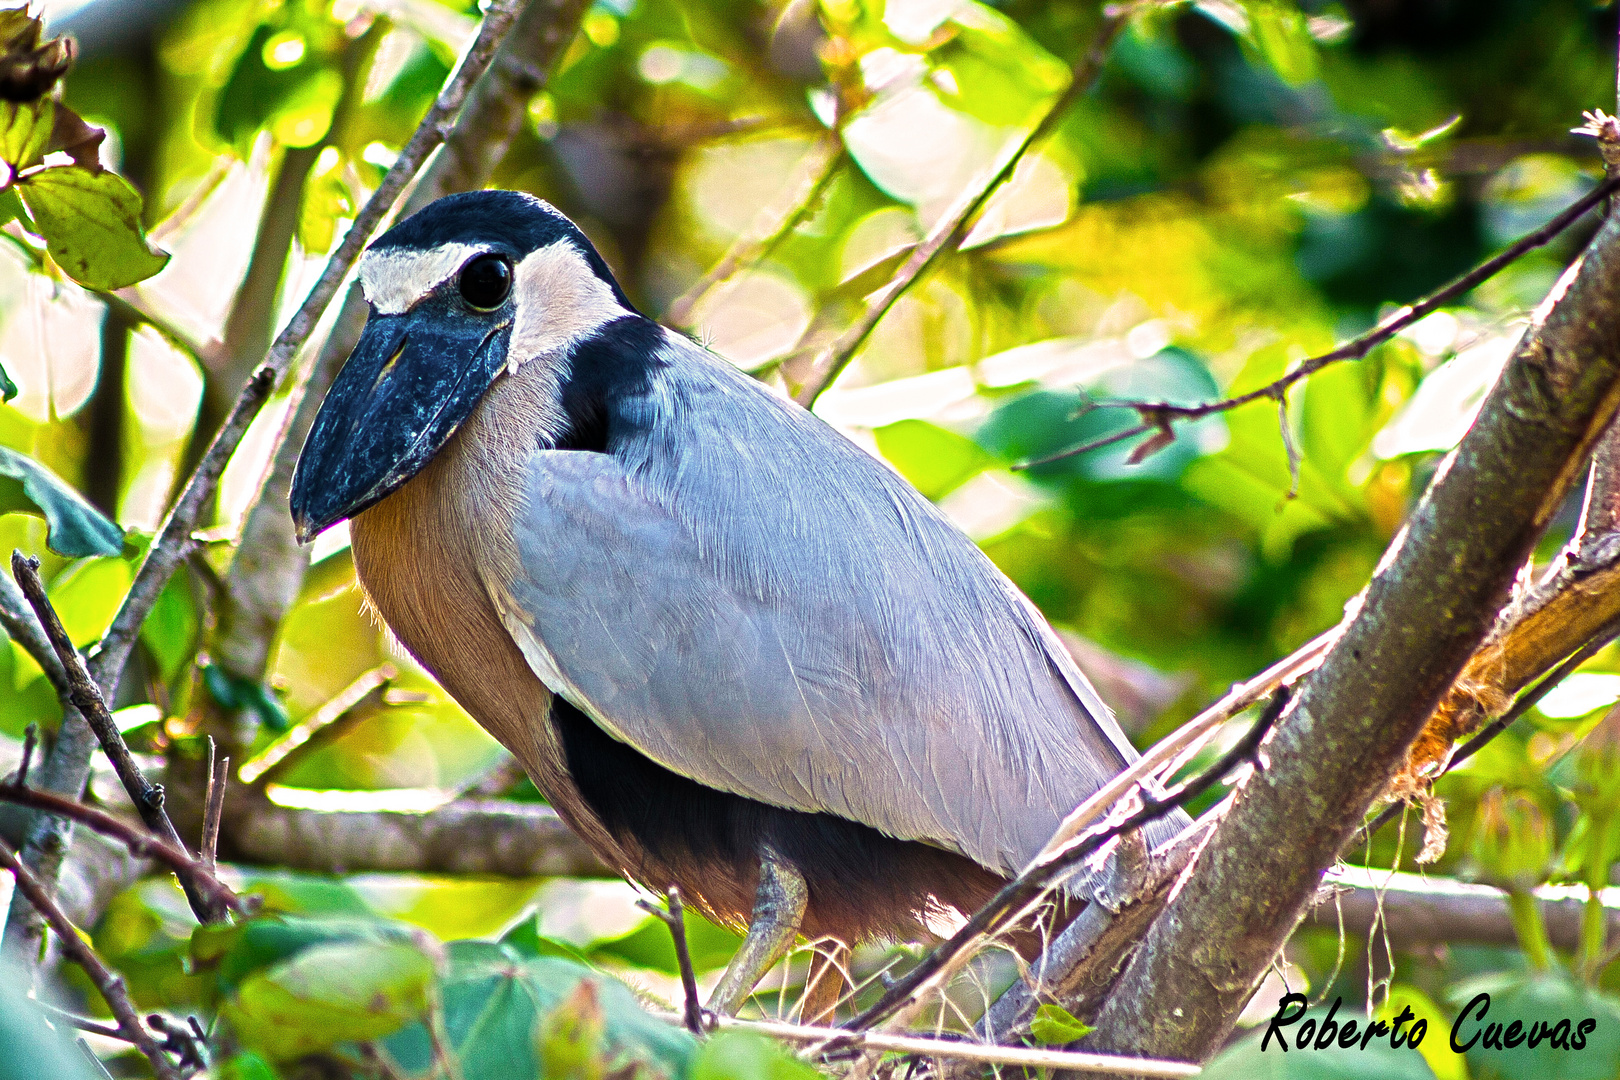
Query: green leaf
{"x": 76, "y": 528}
{"x": 247, "y": 1066}
{"x": 743, "y": 1055}
{"x": 1540, "y": 999}
{"x": 331, "y": 993}
{"x": 170, "y": 631}
{"x": 25, "y": 131}
{"x": 1056, "y": 1026}
{"x": 495, "y": 1001}
{"x": 1279, "y": 34}
{"x": 247, "y": 696}
{"x": 91, "y": 223}
{"x": 8, "y": 389}
{"x": 935, "y": 460}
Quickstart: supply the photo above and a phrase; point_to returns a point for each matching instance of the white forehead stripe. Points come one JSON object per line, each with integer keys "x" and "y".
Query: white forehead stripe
{"x": 394, "y": 279}
{"x": 560, "y": 300}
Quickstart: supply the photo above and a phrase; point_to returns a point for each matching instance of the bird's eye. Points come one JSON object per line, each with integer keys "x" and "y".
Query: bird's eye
{"x": 485, "y": 281}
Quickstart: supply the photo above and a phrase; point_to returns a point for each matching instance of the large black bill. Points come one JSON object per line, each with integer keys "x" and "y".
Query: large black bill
{"x": 408, "y": 385}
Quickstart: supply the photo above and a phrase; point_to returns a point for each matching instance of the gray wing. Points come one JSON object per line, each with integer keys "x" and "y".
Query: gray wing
{"x": 754, "y": 602}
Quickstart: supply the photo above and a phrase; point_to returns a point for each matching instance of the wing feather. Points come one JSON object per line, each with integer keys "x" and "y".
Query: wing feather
{"x": 754, "y": 602}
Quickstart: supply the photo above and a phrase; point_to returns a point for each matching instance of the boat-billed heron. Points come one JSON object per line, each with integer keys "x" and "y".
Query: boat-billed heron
{"x": 736, "y": 652}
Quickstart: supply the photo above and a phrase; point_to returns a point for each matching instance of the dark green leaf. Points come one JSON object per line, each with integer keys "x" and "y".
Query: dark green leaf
{"x": 76, "y": 528}
{"x": 91, "y": 222}
{"x": 495, "y": 1002}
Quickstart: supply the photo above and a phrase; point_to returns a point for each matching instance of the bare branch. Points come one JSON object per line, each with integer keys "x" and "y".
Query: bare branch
{"x": 510, "y": 839}
{"x": 1429, "y": 608}
{"x": 675, "y": 919}
{"x": 195, "y": 875}
{"x": 147, "y": 796}
{"x": 830, "y": 361}
{"x": 959, "y": 1051}
{"x": 105, "y": 980}
{"x": 496, "y": 110}
{"x": 219, "y": 774}
{"x": 1158, "y": 414}
{"x": 1046, "y": 872}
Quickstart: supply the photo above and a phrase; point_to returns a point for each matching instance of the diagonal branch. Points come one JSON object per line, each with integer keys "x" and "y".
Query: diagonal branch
{"x": 87, "y": 699}
{"x": 174, "y": 538}
{"x": 830, "y": 361}
{"x": 105, "y": 980}
{"x": 1429, "y": 608}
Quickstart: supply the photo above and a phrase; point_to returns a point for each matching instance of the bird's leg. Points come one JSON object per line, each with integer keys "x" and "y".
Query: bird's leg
{"x": 779, "y": 907}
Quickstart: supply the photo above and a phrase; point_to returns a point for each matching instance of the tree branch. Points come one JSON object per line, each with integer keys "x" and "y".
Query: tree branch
{"x": 757, "y": 244}
{"x": 1426, "y": 611}
{"x": 196, "y": 875}
{"x": 105, "y": 980}
{"x": 509, "y": 839}
{"x": 147, "y": 796}
{"x": 1159, "y": 416}
{"x": 830, "y": 361}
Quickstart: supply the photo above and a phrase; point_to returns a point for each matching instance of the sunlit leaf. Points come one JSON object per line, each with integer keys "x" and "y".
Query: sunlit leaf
{"x": 1056, "y": 1026}
{"x": 91, "y": 223}
{"x": 77, "y": 529}
{"x": 25, "y": 131}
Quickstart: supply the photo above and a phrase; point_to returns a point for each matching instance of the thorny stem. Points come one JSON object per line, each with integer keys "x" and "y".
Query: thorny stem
{"x": 105, "y": 980}
{"x": 1159, "y": 415}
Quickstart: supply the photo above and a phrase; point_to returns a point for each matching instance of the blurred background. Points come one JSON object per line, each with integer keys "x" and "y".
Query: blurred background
{"x": 1250, "y": 182}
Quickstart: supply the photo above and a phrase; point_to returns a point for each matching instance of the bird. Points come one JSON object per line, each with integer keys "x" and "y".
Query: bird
{"x": 736, "y": 652}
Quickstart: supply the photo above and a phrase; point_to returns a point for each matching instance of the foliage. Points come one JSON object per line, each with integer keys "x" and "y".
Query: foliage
{"x": 1250, "y": 182}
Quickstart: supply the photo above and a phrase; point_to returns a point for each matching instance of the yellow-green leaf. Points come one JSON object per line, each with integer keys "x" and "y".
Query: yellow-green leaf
{"x": 328, "y": 994}
{"x": 25, "y": 131}
{"x": 91, "y": 223}
{"x": 1056, "y": 1026}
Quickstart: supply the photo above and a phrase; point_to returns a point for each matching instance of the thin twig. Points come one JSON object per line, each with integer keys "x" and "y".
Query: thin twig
{"x": 103, "y": 978}
{"x": 757, "y": 244}
{"x": 1045, "y": 873}
{"x": 1157, "y": 415}
{"x": 95, "y": 1061}
{"x": 675, "y": 919}
{"x": 190, "y": 871}
{"x": 30, "y": 740}
{"x": 962, "y": 1051}
{"x": 219, "y": 771}
{"x": 83, "y": 1023}
{"x": 831, "y": 360}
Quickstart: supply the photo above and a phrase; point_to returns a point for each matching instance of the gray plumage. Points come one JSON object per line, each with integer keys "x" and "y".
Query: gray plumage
{"x": 754, "y": 602}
